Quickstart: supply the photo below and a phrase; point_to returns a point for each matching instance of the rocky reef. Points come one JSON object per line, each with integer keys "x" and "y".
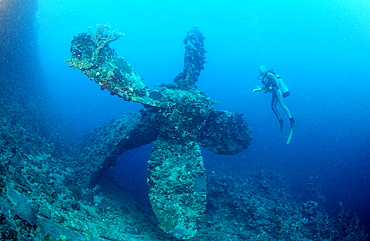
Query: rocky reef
{"x": 40, "y": 200}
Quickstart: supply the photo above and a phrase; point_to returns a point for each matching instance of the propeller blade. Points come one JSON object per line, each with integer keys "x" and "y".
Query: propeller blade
{"x": 177, "y": 187}
{"x": 92, "y": 55}
{"x": 225, "y": 133}
{"x": 103, "y": 145}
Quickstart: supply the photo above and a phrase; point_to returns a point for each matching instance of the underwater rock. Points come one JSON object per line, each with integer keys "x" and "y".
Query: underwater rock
{"x": 22, "y": 209}
{"x": 55, "y": 230}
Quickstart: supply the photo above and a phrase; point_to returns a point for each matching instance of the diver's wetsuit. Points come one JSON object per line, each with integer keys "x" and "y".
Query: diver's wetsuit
{"x": 274, "y": 84}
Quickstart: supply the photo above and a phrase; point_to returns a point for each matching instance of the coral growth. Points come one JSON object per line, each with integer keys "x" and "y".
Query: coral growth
{"x": 102, "y": 37}
{"x": 258, "y": 206}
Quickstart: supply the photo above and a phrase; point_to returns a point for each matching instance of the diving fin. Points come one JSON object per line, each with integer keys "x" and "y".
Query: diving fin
{"x": 291, "y": 130}
{"x": 281, "y": 122}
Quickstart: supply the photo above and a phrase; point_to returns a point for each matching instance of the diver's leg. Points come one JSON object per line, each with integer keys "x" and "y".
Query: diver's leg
{"x": 274, "y": 101}
{"x": 291, "y": 119}
{"x": 280, "y": 97}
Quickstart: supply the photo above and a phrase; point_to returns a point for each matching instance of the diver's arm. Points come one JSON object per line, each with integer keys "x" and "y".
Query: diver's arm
{"x": 258, "y": 88}
{"x": 264, "y": 83}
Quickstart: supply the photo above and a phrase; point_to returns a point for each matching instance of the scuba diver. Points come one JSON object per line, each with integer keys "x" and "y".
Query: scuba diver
{"x": 273, "y": 83}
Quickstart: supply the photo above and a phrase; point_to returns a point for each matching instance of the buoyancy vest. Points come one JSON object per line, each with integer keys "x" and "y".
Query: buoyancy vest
{"x": 271, "y": 83}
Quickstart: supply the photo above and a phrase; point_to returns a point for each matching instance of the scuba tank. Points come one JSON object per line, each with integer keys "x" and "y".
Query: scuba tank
{"x": 282, "y": 86}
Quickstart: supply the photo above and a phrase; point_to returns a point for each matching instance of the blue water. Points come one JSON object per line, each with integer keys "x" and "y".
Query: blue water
{"x": 320, "y": 48}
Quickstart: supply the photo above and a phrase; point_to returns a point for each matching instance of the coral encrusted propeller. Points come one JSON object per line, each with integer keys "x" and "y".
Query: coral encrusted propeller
{"x": 178, "y": 117}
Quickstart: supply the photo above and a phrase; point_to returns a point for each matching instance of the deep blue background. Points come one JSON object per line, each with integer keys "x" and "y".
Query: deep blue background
{"x": 321, "y": 49}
